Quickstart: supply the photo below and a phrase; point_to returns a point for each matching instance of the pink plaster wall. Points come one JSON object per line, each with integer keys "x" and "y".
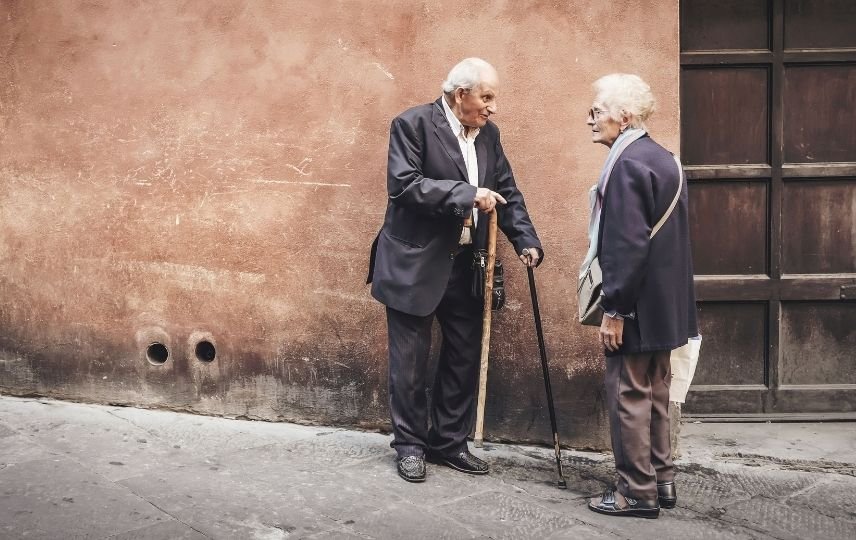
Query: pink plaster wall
{"x": 177, "y": 170}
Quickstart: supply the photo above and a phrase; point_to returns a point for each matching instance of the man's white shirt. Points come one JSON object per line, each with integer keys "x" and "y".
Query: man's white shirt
{"x": 467, "y": 142}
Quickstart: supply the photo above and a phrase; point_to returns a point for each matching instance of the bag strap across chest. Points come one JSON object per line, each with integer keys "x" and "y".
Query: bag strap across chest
{"x": 663, "y": 219}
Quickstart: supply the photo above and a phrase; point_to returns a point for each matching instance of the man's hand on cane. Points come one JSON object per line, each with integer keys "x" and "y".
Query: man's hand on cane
{"x": 486, "y": 200}
{"x": 530, "y": 256}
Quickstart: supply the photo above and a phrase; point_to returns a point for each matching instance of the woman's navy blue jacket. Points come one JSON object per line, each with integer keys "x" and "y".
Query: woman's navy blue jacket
{"x": 649, "y": 278}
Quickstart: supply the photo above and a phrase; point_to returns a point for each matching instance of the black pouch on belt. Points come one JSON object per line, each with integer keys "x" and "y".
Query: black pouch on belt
{"x": 480, "y": 274}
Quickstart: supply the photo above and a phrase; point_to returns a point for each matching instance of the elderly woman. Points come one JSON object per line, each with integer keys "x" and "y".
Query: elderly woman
{"x": 640, "y": 236}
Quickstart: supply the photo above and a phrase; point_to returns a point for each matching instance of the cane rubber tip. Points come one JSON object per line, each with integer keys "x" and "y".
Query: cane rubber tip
{"x": 562, "y": 484}
{"x": 478, "y": 443}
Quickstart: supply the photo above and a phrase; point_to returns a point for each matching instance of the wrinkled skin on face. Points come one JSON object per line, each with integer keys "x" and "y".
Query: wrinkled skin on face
{"x": 473, "y": 107}
{"x": 604, "y": 129}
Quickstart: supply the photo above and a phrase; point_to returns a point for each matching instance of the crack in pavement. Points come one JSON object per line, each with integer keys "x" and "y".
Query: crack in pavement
{"x": 170, "y": 515}
{"x": 152, "y": 434}
{"x": 804, "y": 465}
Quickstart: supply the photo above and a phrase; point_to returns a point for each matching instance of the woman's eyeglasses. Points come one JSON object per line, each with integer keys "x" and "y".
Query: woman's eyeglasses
{"x": 595, "y": 114}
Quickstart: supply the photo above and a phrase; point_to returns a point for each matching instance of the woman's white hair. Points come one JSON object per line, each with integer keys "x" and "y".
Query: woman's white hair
{"x": 625, "y": 94}
{"x": 468, "y": 73}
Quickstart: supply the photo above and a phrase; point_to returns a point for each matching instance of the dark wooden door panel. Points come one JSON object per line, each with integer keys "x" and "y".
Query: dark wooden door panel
{"x": 726, "y": 24}
{"x": 733, "y": 354}
{"x": 721, "y": 206}
{"x": 819, "y": 113}
{"x": 820, "y": 24}
{"x": 729, "y": 402}
{"x": 818, "y": 343}
{"x": 838, "y": 402}
{"x": 769, "y": 140}
{"x": 729, "y": 108}
{"x": 819, "y": 233}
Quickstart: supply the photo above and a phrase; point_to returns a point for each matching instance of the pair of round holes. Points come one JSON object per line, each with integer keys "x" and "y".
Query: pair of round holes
{"x": 158, "y": 353}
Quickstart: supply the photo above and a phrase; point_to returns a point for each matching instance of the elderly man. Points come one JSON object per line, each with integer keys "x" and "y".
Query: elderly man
{"x": 639, "y": 231}
{"x": 445, "y": 162}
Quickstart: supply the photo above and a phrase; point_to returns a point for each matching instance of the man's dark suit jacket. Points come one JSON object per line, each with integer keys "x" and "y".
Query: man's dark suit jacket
{"x": 651, "y": 277}
{"x": 429, "y": 198}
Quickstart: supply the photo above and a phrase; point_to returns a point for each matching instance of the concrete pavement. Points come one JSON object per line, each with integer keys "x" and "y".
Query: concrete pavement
{"x": 72, "y": 470}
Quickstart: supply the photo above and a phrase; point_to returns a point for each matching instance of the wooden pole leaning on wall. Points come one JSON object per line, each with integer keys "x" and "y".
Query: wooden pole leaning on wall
{"x": 478, "y": 439}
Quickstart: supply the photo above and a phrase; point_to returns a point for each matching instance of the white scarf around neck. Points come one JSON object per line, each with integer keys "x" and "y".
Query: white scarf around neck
{"x": 598, "y": 191}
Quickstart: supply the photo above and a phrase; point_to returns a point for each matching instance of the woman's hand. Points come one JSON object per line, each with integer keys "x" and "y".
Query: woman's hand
{"x": 611, "y": 332}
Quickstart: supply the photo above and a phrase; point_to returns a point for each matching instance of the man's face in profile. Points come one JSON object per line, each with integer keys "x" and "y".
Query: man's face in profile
{"x": 477, "y": 104}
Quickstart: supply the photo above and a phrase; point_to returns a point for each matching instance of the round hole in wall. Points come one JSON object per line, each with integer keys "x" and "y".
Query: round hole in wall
{"x": 157, "y": 353}
{"x": 205, "y": 351}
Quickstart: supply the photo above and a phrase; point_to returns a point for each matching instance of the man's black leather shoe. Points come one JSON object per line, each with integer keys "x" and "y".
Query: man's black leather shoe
{"x": 411, "y": 468}
{"x": 613, "y": 503}
{"x": 666, "y": 494}
{"x": 463, "y": 461}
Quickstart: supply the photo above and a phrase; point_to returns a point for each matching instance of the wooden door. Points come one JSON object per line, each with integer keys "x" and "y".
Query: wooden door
{"x": 768, "y": 136}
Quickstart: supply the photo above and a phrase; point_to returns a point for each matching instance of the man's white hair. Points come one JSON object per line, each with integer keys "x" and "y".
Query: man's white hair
{"x": 468, "y": 73}
{"x": 625, "y": 94}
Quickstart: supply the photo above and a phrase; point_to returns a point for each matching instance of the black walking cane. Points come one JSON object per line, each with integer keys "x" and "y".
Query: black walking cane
{"x": 538, "y": 330}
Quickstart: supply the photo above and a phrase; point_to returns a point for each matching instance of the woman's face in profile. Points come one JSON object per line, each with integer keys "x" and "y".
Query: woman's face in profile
{"x": 604, "y": 129}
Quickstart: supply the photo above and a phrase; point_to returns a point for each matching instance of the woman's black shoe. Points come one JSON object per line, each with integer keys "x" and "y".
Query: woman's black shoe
{"x": 666, "y": 494}
{"x": 613, "y": 503}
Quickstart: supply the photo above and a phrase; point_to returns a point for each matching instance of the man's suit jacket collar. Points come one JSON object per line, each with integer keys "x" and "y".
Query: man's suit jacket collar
{"x": 450, "y": 143}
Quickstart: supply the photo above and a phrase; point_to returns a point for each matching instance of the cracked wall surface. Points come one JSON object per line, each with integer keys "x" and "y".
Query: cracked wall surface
{"x": 177, "y": 172}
